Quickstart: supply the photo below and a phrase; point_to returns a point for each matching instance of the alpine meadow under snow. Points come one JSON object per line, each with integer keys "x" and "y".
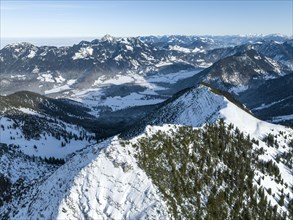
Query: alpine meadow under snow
{"x": 170, "y": 127}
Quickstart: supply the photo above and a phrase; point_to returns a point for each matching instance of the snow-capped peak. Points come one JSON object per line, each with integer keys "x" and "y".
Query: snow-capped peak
{"x": 201, "y": 105}
{"x": 108, "y": 38}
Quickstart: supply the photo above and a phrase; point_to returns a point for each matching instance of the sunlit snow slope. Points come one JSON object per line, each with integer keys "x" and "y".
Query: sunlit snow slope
{"x": 101, "y": 182}
{"x": 104, "y": 181}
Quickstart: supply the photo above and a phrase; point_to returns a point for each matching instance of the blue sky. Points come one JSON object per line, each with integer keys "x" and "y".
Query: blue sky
{"x": 133, "y": 18}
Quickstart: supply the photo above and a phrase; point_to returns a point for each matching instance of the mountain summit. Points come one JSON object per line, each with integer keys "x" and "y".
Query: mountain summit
{"x": 108, "y": 38}
{"x": 131, "y": 178}
{"x": 167, "y": 127}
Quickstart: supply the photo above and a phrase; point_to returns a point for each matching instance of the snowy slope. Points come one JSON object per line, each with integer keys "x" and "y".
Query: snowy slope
{"x": 111, "y": 74}
{"x": 50, "y": 70}
{"x": 240, "y": 68}
{"x": 200, "y": 105}
{"x": 47, "y": 144}
{"x": 44, "y": 127}
{"x": 98, "y": 183}
{"x": 16, "y": 165}
{"x": 104, "y": 180}
{"x": 21, "y": 172}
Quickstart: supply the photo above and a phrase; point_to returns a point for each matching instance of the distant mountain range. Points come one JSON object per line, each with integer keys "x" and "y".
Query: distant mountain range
{"x": 43, "y": 68}
{"x": 147, "y": 127}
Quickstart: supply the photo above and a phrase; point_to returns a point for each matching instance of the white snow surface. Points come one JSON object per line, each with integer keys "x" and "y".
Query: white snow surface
{"x": 129, "y": 47}
{"x": 27, "y": 111}
{"x": 257, "y": 57}
{"x": 123, "y": 79}
{"x": 32, "y": 54}
{"x": 238, "y": 89}
{"x": 101, "y": 182}
{"x": 71, "y": 82}
{"x": 46, "y": 145}
{"x": 186, "y": 50}
{"x": 200, "y": 106}
{"x": 93, "y": 96}
{"x": 163, "y": 63}
{"x": 172, "y": 77}
{"x": 84, "y": 52}
{"x": 60, "y": 88}
{"x": 147, "y": 81}
{"x": 45, "y": 77}
{"x": 36, "y": 70}
{"x": 181, "y": 49}
{"x": 118, "y": 57}
{"x": 20, "y": 166}
{"x": 57, "y": 89}
{"x": 134, "y": 99}
{"x": 198, "y": 50}
{"x": 59, "y": 79}
{"x": 18, "y": 76}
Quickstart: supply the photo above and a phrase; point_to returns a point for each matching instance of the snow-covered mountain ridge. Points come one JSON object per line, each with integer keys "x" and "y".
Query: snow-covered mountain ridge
{"x": 97, "y": 182}
{"x": 185, "y": 151}
{"x": 111, "y": 74}
{"x": 199, "y": 105}
{"x": 244, "y": 67}
{"x": 50, "y": 69}
{"x": 115, "y": 178}
{"x": 44, "y": 127}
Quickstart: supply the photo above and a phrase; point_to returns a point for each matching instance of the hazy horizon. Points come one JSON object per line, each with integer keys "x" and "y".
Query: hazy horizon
{"x": 73, "y": 19}
{"x": 69, "y": 41}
